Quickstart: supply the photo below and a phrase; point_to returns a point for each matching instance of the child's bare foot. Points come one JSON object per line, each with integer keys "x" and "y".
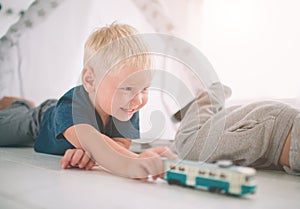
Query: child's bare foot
{"x": 7, "y": 101}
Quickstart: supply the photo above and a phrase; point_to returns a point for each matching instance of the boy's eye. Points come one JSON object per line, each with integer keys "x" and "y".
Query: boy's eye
{"x": 146, "y": 89}
{"x": 133, "y": 90}
{"x": 127, "y": 88}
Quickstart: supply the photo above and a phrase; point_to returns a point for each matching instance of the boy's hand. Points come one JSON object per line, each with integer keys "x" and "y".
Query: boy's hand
{"x": 76, "y": 157}
{"x": 149, "y": 163}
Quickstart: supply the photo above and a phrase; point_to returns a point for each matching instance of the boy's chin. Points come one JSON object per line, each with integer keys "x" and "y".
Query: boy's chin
{"x": 123, "y": 117}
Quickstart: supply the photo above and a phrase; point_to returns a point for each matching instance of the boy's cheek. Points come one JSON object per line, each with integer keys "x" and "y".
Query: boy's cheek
{"x": 121, "y": 98}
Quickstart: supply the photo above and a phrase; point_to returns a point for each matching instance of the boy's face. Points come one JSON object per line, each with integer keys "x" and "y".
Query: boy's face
{"x": 123, "y": 93}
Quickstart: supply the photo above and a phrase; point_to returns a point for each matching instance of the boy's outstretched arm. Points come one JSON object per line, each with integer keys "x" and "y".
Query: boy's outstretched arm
{"x": 117, "y": 159}
{"x": 78, "y": 157}
{"x": 124, "y": 142}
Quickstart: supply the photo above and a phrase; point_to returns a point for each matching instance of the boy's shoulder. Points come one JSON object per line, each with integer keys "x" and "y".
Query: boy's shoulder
{"x": 77, "y": 90}
{"x": 75, "y": 94}
{"x": 76, "y": 100}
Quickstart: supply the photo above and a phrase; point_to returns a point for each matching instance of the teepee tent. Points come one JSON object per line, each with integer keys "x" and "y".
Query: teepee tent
{"x": 42, "y": 47}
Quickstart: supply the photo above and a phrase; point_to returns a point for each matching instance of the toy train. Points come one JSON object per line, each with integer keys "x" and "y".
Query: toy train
{"x": 223, "y": 176}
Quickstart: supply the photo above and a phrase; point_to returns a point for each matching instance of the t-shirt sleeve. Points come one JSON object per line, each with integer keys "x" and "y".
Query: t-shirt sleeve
{"x": 63, "y": 117}
{"x": 71, "y": 110}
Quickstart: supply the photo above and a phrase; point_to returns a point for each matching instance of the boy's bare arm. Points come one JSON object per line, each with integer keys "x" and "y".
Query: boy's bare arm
{"x": 124, "y": 142}
{"x": 99, "y": 146}
{"x": 73, "y": 133}
{"x": 117, "y": 159}
{"x": 71, "y": 136}
{"x": 77, "y": 156}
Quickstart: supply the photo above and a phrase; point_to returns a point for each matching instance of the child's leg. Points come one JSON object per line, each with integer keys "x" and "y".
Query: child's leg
{"x": 19, "y": 123}
{"x": 6, "y": 102}
{"x": 293, "y": 147}
{"x": 284, "y": 158}
{"x": 253, "y": 134}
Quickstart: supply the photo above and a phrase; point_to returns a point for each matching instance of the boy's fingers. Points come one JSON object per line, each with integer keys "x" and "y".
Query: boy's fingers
{"x": 165, "y": 152}
{"x": 153, "y": 164}
{"x": 84, "y": 161}
{"x": 63, "y": 163}
{"x": 90, "y": 165}
{"x": 77, "y": 157}
{"x": 158, "y": 176}
{"x": 157, "y": 169}
{"x": 141, "y": 179}
{"x": 65, "y": 160}
{"x": 74, "y": 157}
{"x": 170, "y": 155}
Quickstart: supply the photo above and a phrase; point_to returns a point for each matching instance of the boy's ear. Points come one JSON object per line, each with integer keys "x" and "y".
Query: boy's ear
{"x": 89, "y": 79}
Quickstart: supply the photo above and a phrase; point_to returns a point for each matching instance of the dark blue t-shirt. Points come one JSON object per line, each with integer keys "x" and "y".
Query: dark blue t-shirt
{"x": 75, "y": 108}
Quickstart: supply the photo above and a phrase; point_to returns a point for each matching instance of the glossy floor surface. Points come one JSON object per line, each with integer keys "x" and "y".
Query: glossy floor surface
{"x": 33, "y": 180}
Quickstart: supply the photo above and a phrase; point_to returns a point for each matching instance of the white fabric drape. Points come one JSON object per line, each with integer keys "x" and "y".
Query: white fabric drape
{"x": 11, "y": 81}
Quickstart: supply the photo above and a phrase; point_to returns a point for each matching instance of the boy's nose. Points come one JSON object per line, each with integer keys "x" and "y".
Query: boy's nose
{"x": 137, "y": 99}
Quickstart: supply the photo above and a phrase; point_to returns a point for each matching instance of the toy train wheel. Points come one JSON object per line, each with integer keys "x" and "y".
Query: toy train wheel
{"x": 175, "y": 182}
{"x": 215, "y": 190}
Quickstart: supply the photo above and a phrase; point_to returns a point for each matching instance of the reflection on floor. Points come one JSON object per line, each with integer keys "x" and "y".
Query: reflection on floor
{"x": 33, "y": 180}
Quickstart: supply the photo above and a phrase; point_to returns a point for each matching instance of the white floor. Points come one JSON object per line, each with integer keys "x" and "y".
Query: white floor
{"x": 33, "y": 180}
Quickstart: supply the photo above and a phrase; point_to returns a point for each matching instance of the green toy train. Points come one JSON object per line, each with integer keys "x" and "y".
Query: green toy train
{"x": 223, "y": 176}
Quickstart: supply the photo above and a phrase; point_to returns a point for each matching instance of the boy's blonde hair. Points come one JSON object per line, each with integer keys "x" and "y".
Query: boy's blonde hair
{"x": 114, "y": 44}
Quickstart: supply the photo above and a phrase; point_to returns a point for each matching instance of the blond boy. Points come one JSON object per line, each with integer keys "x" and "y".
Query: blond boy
{"x": 94, "y": 121}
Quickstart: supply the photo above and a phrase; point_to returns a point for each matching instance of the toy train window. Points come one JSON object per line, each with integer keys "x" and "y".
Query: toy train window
{"x": 201, "y": 172}
{"x": 223, "y": 176}
{"x": 212, "y": 174}
{"x": 249, "y": 178}
{"x": 172, "y": 167}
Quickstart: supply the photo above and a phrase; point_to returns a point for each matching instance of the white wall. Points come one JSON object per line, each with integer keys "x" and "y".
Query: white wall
{"x": 254, "y": 45}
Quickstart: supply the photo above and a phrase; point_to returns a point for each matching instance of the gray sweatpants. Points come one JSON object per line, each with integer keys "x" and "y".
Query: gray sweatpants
{"x": 251, "y": 135}
{"x": 19, "y": 123}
